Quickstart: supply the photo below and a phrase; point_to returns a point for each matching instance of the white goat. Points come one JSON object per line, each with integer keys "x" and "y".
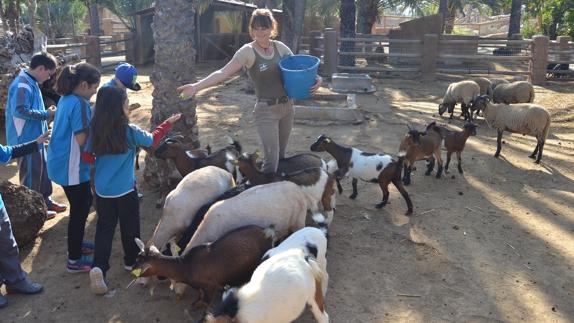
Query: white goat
{"x": 311, "y": 239}
{"x": 278, "y": 292}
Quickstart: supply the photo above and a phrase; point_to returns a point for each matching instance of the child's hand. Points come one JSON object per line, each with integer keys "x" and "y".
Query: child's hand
{"x": 44, "y": 137}
{"x": 174, "y": 118}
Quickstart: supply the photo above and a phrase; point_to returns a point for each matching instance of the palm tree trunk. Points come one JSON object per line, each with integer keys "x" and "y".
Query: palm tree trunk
{"x": 293, "y": 16}
{"x": 449, "y": 19}
{"x": 3, "y": 17}
{"x": 47, "y": 22}
{"x": 368, "y": 14}
{"x": 11, "y": 15}
{"x": 173, "y": 32}
{"x": 442, "y": 10}
{"x": 347, "y": 12}
{"x": 32, "y": 5}
{"x": 514, "y": 24}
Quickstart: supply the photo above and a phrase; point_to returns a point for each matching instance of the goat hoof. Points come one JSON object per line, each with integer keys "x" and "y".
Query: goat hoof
{"x": 409, "y": 212}
{"x": 427, "y": 173}
{"x": 178, "y": 297}
{"x": 353, "y": 196}
{"x": 532, "y": 156}
{"x": 537, "y": 162}
{"x": 496, "y": 155}
{"x": 380, "y": 205}
{"x": 460, "y": 171}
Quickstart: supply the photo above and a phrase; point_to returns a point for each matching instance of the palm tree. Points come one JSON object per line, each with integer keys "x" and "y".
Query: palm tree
{"x": 173, "y": 31}
{"x": 368, "y": 14}
{"x": 347, "y": 29}
{"x": 515, "y": 14}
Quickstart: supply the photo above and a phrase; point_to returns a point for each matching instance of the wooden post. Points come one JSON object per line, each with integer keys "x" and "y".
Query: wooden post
{"x": 429, "y": 56}
{"x": 130, "y": 48}
{"x": 116, "y": 46}
{"x": 80, "y": 50}
{"x": 314, "y": 43}
{"x": 539, "y": 61}
{"x": 563, "y": 48}
{"x": 93, "y": 49}
{"x": 330, "y": 52}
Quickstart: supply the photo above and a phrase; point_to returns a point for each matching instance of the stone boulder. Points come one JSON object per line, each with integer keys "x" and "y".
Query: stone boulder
{"x": 26, "y": 209}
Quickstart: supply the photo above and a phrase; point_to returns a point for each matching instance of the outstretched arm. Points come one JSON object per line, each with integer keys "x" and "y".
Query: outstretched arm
{"x": 189, "y": 90}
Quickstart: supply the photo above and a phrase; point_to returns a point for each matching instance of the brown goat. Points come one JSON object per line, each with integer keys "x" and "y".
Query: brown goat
{"x": 209, "y": 267}
{"x": 186, "y": 162}
{"x": 418, "y": 146}
{"x": 454, "y": 141}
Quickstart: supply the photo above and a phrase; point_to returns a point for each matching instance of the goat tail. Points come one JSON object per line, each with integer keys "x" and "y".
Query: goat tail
{"x": 321, "y": 221}
{"x": 271, "y": 233}
{"x": 316, "y": 270}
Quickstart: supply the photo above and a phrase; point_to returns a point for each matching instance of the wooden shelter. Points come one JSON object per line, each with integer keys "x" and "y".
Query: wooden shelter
{"x": 220, "y": 31}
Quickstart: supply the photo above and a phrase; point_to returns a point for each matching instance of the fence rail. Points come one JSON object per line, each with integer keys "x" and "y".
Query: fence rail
{"x": 537, "y": 58}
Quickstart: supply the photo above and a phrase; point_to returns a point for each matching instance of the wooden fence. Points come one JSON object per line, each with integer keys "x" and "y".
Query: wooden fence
{"x": 94, "y": 48}
{"x": 433, "y": 55}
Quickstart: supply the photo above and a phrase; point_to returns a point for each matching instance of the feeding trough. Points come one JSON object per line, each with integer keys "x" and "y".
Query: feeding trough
{"x": 325, "y": 109}
{"x": 352, "y": 83}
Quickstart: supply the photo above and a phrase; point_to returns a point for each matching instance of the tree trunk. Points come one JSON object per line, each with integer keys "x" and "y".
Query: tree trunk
{"x": 293, "y": 17}
{"x": 47, "y": 18}
{"x": 32, "y": 5}
{"x": 173, "y": 32}
{"x": 449, "y": 20}
{"x": 3, "y": 17}
{"x": 347, "y": 30}
{"x": 514, "y": 24}
{"x": 94, "y": 18}
{"x": 368, "y": 14}
{"x": 442, "y": 10}
{"x": 12, "y": 17}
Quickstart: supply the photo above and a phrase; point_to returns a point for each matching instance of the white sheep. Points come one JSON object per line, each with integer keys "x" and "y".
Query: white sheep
{"x": 463, "y": 92}
{"x": 526, "y": 118}
{"x": 278, "y": 292}
{"x": 497, "y": 81}
{"x": 484, "y": 84}
{"x": 515, "y": 92}
{"x": 311, "y": 239}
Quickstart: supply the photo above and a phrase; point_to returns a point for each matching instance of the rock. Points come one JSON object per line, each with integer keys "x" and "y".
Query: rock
{"x": 26, "y": 209}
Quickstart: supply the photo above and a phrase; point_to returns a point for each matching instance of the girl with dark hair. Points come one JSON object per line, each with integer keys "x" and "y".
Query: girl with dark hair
{"x": 273, "y": 112}
{"x": 77, "y": 84}
{"x": 112, "y": 146}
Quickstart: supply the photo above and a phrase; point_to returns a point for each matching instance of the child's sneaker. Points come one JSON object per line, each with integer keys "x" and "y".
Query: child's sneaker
{"x": 128, "y": 267}
{"x": 82, "y": 265}
{"x": 88, "y": 247}
{"x": 97, "y": 281}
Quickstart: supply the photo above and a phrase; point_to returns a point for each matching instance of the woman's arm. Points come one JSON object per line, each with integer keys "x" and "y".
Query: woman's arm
{"x": 189, "y": 90}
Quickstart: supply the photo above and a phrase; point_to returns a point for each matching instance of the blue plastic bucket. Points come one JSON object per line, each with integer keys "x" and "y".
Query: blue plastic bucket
{"x": 299, "y": 74}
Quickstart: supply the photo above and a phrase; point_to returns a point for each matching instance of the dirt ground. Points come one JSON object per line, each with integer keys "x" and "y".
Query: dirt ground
{"x": 495, "y": 244}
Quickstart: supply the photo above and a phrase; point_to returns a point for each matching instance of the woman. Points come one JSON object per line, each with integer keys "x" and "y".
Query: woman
{"x": 273, "y": 112}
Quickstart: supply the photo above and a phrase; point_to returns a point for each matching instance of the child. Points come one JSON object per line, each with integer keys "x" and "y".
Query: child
{"x": 11, "y": 272}
{"x": 77, "y": 84}
{"x": 113, "y": 143}
{"x": 125, "y": 77}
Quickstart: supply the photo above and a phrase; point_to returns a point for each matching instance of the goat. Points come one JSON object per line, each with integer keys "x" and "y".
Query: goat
{"x": 230, "y": 260}
{"x": 454, "y": 141}
{"x": 376, "y": 168}
{"x": 278, "y": 292}
{"x": 418, "y": 145}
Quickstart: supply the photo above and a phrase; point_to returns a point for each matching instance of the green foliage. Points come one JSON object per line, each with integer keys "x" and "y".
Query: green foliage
{"x": 553, "y": 17}
{"x": 124, "y": 8}
{"x": 66, "y": 17}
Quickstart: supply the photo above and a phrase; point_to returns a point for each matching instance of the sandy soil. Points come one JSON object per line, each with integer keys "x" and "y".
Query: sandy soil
{"x": 496, "y": 244}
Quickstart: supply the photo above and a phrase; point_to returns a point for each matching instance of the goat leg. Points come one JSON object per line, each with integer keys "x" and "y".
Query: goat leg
{"x": 200, "y": 301}
{"x": 399, "y": 185}
{"x": 355, "y": 193}
{"x": 498, "y": 144}
{"x": 407, "y": 176}
{"x": 541, "y": 144}
{"x": 339, "y": 186}
{"x": 430, "y": 165}
{"x": 384, "y": 184}
{"x": 448, "y": 153}
{"x": 459, "y": 162}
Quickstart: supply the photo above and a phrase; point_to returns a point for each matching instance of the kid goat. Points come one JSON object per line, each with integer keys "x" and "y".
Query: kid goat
{"x": 375, "y": 168}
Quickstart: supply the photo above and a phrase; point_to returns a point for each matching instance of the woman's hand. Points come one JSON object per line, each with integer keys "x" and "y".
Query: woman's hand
{"x": 44, "y": 137}
{"x": 174, "y": 118}
{"x": 187, "y": 91}
{"x": 318, "y": 82}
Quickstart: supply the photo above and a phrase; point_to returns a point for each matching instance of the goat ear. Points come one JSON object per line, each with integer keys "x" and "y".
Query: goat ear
{"x": 140, "y": 244}
{"x": 328, "y": 140}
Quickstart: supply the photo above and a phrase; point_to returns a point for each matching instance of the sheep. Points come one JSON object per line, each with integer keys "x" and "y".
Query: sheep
{"x": 454, "y": 141}
{"x": 515, "y": 92}
{"x": 195, "y": 189}
{"x": 230, "y": 260}
{"x": 308, "y": 238}
{"x": 278, "y": 292}
{"x": 377, "y": 168}
{"x": 526, "y": 118}
{"x": 463, "y": 92}
{"x": 484, "y": 84}
{"x": 418, "y": 145}
{"x": 497, "y": 81}
{"x": 186, "y": 162}
{"x": 281, "y": 204}
{"x": 288, "y": 170}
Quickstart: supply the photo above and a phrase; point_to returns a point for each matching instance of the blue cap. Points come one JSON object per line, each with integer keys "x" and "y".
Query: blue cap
{"x": 127, "y": 74}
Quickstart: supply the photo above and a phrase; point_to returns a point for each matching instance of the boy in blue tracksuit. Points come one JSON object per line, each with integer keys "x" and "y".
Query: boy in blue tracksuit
{"x": 11, "y": 272}
{"x": 26, "y": 119}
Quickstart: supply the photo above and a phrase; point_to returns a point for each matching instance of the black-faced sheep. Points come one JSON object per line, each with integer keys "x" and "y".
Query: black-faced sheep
{"x": 279, "y": 290}
{"x": 462, "y": 92}
{"x": 454, "y": 141}
{"x": 375, "y": 168}
{"x": 230, "y": 260}
{"x": 418, "y": 145}
{"x": 515, "y": 92}
{"x": 525, "y": 118}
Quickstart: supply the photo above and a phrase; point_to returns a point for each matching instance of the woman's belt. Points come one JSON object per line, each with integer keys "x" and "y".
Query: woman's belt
{"x": 283, "y": 99}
